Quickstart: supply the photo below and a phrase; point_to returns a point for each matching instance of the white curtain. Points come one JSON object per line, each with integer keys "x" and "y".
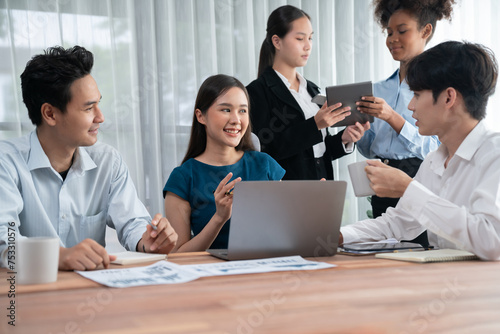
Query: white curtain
{"x": 151, "y": 57}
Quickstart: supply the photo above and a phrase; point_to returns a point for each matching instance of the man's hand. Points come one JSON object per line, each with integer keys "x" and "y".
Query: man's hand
{"x": 386, "y": 181}
{"x": 87, "y": 255}
{"x": 162, "y": 240}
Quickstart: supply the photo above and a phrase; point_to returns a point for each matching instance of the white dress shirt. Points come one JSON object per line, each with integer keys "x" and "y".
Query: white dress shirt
{"x": 458, "y": 205}
{"x": 97, "y": 192}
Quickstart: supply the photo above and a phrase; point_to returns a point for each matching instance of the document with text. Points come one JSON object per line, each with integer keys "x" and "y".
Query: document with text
{"x": 163, "y": 272}
{"x": 257, "y": 266}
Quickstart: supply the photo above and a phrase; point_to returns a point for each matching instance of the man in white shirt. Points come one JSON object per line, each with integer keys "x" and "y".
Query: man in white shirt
{"x": 456, "y": 192}
{"x": 57, "y": 181}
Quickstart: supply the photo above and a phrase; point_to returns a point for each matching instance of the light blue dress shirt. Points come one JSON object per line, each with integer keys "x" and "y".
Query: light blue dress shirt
{"x": 97, "y": 191}
{"x": 381, "y": 140}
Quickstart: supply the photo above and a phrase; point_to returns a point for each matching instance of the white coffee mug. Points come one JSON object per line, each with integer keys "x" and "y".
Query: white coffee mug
{"x": 359, "y": 179}
{"x": 37, "y": 260}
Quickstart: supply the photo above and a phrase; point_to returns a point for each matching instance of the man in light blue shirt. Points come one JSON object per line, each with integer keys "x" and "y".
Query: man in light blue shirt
{"x": 57, "y": 181}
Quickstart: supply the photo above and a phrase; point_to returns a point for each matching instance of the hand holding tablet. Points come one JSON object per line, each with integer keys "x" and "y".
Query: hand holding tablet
{"x": 348, "y": 95}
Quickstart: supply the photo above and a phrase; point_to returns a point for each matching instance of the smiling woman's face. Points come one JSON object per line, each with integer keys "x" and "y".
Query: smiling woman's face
{"x": 227, "y": 119}
{"x": 404, "y": 39}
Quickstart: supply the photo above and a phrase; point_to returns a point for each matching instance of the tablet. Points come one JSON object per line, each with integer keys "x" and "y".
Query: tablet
{"x": 348, "y": 95}
{"x": 381, "y": 247}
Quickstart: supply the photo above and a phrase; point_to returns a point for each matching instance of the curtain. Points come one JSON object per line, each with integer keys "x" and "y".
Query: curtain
{"x": 151, "y": 57}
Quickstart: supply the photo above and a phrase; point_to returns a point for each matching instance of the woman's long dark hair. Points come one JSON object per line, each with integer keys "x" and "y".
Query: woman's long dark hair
{"x": 210, "y": 90}
{"x": 279, "y": 23}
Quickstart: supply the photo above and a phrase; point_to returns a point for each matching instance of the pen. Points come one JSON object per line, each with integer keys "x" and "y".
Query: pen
{"x": 227, "y": 193}
{"x": 153, "y": 226}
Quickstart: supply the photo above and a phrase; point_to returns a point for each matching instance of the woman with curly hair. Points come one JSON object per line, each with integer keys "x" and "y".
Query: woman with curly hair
{"x": 393, "y": 136}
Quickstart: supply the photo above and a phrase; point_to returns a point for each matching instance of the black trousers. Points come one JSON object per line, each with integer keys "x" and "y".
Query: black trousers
{"x": 380, "y": 204}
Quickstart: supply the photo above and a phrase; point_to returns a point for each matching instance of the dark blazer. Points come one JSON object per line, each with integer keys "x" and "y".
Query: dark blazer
{"x": 283, "y": 131}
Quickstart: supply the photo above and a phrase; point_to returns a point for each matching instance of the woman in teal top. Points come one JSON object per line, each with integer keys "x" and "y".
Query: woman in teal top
{"x": 198, "y": 198}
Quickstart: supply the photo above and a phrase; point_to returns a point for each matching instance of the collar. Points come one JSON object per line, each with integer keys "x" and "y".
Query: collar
{"x": 473, "y": 141}
{"x": 302, "y": 81}
{"x": 38, "y": 159}
{"x": 82, "y": 161}
{"x": 271, "y": 79}
{"x": 395, "y": 77}
{"x": 465, "y": 151}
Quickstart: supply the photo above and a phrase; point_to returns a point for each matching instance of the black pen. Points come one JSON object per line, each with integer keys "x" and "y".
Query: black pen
{"x": 227, "y": 193}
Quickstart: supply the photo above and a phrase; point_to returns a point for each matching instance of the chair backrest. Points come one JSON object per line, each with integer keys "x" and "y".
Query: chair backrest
{"x": 255, "y": 141}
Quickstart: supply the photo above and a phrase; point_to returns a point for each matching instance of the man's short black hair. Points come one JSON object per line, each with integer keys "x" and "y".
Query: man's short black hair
{"x": 469, "y": 68}
{"x": 48, "y": 77}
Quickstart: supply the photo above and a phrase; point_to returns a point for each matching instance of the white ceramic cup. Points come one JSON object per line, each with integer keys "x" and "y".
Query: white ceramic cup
{"x": 37, "y": 260}
{"x": 359, "y": 180}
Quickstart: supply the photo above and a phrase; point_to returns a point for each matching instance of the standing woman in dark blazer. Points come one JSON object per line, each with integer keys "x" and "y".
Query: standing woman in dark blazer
{"x": 290, "y": 127}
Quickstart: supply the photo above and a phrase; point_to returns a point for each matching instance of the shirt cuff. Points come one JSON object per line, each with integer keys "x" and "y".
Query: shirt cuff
{"x": 407, "y": 131}
{"x": 349, "y": 234}
{"x": 414, "y": 199}
{"x": 134, "y": 238}
{"x": 349, "y": 147}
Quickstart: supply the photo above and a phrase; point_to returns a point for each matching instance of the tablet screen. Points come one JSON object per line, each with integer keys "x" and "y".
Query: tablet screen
{"x": 348, "y": 95}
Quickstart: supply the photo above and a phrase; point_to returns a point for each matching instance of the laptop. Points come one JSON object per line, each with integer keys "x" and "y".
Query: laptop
{"x": 283, "y": 218}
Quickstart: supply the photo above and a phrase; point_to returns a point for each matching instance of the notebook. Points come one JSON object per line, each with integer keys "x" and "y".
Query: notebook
{"x": 283, "y": 218}
{"x": 136, "y": 257}
{"x": 440, "y": 255}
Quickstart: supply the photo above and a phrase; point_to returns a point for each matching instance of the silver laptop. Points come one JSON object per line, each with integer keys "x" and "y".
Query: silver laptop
{"x": 282, "y": 218}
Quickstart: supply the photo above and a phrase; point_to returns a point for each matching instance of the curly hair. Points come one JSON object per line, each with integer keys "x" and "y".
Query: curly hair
{"x": 424, "y": 11}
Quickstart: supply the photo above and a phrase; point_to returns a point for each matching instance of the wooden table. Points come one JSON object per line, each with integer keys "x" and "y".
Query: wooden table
{"x": 361, "y": 295}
